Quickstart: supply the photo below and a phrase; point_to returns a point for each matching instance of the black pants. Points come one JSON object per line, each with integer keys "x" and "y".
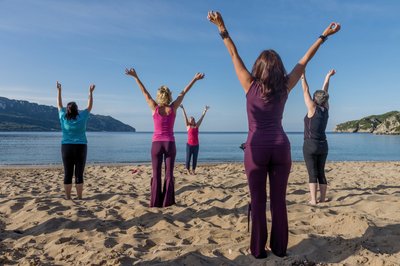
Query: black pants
{"x": 191, "y": 150}
{"x": 315, "y": 153}
{"x": 73, "y": 156}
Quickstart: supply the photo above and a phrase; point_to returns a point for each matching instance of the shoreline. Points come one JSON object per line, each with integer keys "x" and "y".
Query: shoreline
{"x": 51, "y": 166}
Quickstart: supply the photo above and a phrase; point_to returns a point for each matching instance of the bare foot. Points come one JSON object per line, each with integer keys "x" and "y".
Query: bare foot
{"x": 193, "y": 172}
{"x": 188, "y": 172}
{"x": 313, "y": 203}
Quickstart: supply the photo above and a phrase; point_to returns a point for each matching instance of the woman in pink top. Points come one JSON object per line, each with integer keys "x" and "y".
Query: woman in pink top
{"x": 163, "y": 145}
{"x": 192, "y": 146}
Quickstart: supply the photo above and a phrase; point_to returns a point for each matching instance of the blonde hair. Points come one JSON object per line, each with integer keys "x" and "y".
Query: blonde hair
{"x": 164, "y": 96}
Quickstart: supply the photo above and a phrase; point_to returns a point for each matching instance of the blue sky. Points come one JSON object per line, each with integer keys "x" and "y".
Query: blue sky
{"x": 79, "y": 42}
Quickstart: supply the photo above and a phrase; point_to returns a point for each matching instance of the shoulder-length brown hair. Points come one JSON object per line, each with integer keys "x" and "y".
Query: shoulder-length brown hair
{"x": 269, "y": 72}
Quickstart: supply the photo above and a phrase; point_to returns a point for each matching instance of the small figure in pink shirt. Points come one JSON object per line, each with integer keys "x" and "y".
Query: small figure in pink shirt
{"x": 192, "y": 145}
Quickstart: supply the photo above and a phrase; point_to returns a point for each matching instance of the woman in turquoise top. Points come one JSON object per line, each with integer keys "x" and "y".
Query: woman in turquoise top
{"x": 74, "y": 142}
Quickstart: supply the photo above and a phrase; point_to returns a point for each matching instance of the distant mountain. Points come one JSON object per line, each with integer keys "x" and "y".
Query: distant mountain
{"x": 387, "y": 123}
{"x": 16, "y": 115}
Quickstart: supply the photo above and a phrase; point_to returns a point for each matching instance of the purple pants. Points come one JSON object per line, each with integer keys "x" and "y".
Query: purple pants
{"x": 274, "y": 162}
{"x": 162, "y": 151}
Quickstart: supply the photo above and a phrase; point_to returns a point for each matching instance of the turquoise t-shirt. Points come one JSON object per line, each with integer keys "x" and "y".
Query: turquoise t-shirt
{"x": 74, "y": 130}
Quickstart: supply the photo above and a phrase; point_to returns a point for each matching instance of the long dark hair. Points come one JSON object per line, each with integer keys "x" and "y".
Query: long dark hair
{"x": 269, "y": 72}
{"x": 72, "y": 111}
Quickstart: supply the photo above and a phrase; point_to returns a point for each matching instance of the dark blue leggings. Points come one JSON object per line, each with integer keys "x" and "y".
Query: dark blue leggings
{"x": 274, "y": 162}
{"x": 191, "y": 150}
{"x": 74, "y": 160}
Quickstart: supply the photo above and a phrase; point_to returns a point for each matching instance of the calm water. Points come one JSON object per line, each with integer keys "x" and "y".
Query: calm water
{"x": 105, "y": 147}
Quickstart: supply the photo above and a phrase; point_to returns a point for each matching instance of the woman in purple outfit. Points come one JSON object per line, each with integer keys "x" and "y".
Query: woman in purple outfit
{"x": 163, "y": 143}
{"x": 267, "y": 150}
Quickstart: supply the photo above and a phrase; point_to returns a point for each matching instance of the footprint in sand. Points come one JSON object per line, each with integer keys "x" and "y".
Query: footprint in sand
{"x": 43, "y": 208}
{"x": 17, "y": 206}
{"x": 58, "y": 209}
{"x": 85, "y": 213}
{"x": 186, "y": 242}
{"x": 63, "y": 240}
{"x": 211, "y": 241}
{"x": 147, "y": 245}
{"x": 110, "y": 243}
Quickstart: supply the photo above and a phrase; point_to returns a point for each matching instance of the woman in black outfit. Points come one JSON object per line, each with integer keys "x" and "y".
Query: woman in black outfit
{"x": 315, "y": 148}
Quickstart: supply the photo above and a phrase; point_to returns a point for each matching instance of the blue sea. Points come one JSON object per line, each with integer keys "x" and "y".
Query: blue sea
{"x": 42, "y": 148}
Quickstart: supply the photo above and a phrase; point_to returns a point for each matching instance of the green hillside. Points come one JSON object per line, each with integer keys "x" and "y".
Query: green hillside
{"x": 387, "y": 123}
{"x": 16, "y": 115}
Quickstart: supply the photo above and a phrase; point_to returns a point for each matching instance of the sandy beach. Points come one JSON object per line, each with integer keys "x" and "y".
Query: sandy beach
{"x": 114, "y": 226}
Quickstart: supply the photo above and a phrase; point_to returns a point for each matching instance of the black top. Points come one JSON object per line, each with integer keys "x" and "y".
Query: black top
{"x": 314, "y": 127}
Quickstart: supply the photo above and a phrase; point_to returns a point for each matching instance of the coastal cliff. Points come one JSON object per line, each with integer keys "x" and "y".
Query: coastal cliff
{"x": 17, "y": 115}
{"x": 387, "y": 123}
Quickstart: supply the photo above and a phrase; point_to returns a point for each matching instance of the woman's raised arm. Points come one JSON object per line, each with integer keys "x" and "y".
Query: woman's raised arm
{"x": 297, "y": 71}
{"x": 242, "y": 73}
{"x": 307, "y": 96}
{"x": 59, "y": 98}
{"x": 179, "y": 99}
{"x": 132, "y": 72}
{"x": 325, "y": 87}
{"x": 202, "y": 116}
{"x": 90, "y": 100}
{"x": 184, "y": 115}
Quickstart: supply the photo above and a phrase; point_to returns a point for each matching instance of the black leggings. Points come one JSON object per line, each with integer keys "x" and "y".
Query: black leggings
{"x": 191, "y": 150}
{"x": 315, "y": 153}
{"x": 73, "y": 156}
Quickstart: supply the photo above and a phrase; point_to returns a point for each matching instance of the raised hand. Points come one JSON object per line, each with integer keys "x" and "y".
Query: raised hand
{"x": 331, "y": 29}
{"x": 199, "y": 76}
{"x": 181, "y": 106}
{"x": 331, "y": 72}
{"x": 205, "y": 109}
{"x": 216, "y": 18}
{"x": 58, "y": 86}
{"x": 91, "y": 88}
{"x": 303, "y": 75}
{"x": 131, "y": 72}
